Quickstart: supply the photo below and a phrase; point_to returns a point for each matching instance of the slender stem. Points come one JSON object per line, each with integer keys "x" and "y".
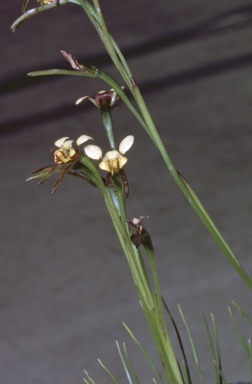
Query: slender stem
{"x": 133, "y": 256}
{"x": 151, "y": 304}
{"x": 108, "y": 125}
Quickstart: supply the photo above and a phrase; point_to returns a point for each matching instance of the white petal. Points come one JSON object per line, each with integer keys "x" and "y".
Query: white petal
{"x": 81, "y": 99}
{"x": 82, "y": 139}
{"x": 93, "y": 151}
{"x": 113, "y": 98}
{"x": 67, "y": 145}
{"x": 60, "y": 142}
{"x": 126, "y": 144}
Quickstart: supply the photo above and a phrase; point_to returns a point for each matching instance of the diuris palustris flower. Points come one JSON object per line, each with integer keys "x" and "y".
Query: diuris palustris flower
{"x": 103, "y": 99}
{"x": 65, "y": 157}
{"x": 113, "y": 161}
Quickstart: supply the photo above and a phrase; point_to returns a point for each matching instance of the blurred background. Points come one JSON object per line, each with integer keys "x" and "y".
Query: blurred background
{"x": 65, "y": 284}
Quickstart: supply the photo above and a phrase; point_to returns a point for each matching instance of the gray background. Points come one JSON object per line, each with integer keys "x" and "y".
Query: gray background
{"x": 65, "y": 285}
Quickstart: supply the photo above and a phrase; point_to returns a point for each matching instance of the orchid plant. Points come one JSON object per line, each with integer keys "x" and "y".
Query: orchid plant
{"x": 106, "y": 172}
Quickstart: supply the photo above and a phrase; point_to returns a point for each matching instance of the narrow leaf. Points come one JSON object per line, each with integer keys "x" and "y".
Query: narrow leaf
{"x": 115, "y": 381}
{"x": 192, "y": 345}
{"x": 124, "y": 364}
{"x": 148, "y": 358}
{"x": 237, "y": 330}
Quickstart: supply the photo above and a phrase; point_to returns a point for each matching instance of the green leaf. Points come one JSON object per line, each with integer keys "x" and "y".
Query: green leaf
{"x": 130, "y": 365}
{"x": 91, "y": 381}
{"x": 148, "y": 358}
{"x": 192, "y": 344}
{"x": 238, "y": 332}
{"x": 242, "y": 312}
{"x": 214, "y": 346}
{"x": 124, "y": 364}
{"x": 115, "y": 381}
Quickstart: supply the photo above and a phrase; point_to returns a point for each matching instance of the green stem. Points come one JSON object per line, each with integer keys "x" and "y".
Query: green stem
{"x": 108, "y": 125}
{"x": 151, "y": 303}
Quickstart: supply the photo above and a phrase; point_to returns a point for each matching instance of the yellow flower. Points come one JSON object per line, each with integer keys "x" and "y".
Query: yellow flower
{"x": 65, "y": 158}
{"x": 113, "y": 160}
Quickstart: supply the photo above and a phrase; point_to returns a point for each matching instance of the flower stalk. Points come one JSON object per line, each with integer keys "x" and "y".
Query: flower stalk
{"x": 151, "y": 303}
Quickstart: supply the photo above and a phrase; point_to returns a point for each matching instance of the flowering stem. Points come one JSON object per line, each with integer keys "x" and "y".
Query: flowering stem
{"x": 108, "y": 124}
{"x": 151, "y": 303}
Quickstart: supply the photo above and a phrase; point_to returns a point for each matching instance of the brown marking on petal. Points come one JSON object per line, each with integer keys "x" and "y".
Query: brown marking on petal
{"x": 63, "y": 156}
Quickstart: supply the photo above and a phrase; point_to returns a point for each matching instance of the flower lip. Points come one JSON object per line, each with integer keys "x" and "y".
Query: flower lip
{"x": 113, "y": 161}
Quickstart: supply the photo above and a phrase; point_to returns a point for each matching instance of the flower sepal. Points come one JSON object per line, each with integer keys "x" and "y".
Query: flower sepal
{"x": 75, "y": 169}
{"x": 141, "y": 236}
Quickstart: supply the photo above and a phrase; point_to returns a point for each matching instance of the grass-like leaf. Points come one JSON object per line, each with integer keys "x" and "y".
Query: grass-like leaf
{"x": 115, "y": 381}
{"x": 126, "y": 370}
{"x": 242, "y": 312}
{"x": 195, "y": 355}
{"x": 217, "y": 345}
{"x": 238, "y": 332}
{"x": 89, "y": 380}
{"x": 214, "y": 346}
{"x": 148, "y": 358}
{"x": 250, "y": 351}
{"x": 216, "y": 365}
{"x": 187, "y": 378}
{"x": 130, "y": 365}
